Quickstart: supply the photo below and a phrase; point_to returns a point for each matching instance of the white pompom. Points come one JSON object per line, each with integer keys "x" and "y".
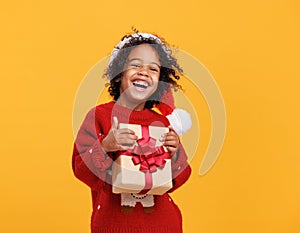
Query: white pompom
{"x": 180, "y": 120}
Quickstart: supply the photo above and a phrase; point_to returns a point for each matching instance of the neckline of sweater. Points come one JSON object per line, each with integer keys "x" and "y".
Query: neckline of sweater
{"x": 145, "y": 114}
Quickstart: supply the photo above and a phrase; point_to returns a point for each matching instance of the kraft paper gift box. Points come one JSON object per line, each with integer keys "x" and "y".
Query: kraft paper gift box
{"x": 132, "y": 173}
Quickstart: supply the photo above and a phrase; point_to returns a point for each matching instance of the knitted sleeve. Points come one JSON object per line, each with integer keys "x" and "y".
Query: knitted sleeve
{"x": 181, "y": 170}
{"x": 89, "y": 161}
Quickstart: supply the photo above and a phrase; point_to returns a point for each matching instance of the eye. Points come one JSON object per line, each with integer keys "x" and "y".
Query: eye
{"x": 136, "y": 65}
{"x": 155, "y": 69}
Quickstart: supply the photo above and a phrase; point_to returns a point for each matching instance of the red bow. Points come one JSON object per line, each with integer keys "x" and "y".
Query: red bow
{"x": 148, "y": 156}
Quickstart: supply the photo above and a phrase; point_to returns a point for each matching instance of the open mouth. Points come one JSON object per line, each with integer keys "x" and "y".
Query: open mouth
{"x": 140, "y": 84}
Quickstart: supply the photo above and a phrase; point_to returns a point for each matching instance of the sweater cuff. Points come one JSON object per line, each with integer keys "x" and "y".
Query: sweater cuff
{"x": 99, "y": 157}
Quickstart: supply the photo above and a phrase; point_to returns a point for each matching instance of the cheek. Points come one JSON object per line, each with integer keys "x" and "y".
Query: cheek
{"x": 156, "y": 77}
{"x": 123, "y": 83}
{"x": 130, "y": 72}
{"x": 155, "y": 84}
{"x": 126, "y": 75}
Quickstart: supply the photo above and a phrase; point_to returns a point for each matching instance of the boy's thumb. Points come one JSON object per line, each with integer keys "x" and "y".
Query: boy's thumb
{"x": 115, "y": 122}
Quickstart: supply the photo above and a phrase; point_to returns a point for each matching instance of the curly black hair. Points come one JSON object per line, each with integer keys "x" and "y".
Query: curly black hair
{"x": 169, "y": 73}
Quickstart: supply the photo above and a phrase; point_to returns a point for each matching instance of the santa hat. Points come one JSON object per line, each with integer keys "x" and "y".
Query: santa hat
{"x": 179, "y": 119}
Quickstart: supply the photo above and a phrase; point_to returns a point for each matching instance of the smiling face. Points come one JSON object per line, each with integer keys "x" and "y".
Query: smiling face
{"x": 140, "y": 77}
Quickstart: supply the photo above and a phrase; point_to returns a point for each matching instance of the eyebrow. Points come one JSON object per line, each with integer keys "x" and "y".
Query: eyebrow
{"x": 138, "y": 59}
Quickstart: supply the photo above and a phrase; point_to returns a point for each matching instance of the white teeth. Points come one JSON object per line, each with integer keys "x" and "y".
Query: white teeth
{"x": 141, "y": 83}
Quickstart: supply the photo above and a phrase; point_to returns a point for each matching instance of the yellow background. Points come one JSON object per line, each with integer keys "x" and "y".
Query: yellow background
{"x": 251, "y": 48}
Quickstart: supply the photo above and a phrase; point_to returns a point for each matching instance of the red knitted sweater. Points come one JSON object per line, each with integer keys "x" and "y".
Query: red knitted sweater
{"x": 91, "y": 166}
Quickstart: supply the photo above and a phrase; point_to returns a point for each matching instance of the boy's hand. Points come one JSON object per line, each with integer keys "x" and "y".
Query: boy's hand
{"x": 118, "y": 139}
{"x": 171, "y": 141}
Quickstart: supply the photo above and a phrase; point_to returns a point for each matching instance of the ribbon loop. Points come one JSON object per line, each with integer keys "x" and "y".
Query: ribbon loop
{"x": 148, "y": 155}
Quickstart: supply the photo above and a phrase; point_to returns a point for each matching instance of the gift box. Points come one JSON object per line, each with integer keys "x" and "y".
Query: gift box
{"x": 146, "y": 166}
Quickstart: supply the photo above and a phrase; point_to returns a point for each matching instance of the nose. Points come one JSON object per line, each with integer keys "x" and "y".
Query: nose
{"x": 143, "y": 71}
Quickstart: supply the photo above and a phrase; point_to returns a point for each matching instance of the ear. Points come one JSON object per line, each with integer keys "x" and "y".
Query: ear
{"x": 118, "y": 80}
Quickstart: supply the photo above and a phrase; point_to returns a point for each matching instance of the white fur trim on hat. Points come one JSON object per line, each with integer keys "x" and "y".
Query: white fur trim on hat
{"x": 180, "y": 120}
{"x": 135, "y": 35}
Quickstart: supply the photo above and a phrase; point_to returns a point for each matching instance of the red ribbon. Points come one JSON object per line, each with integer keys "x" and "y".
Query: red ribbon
{"x": 148, "y": 156}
